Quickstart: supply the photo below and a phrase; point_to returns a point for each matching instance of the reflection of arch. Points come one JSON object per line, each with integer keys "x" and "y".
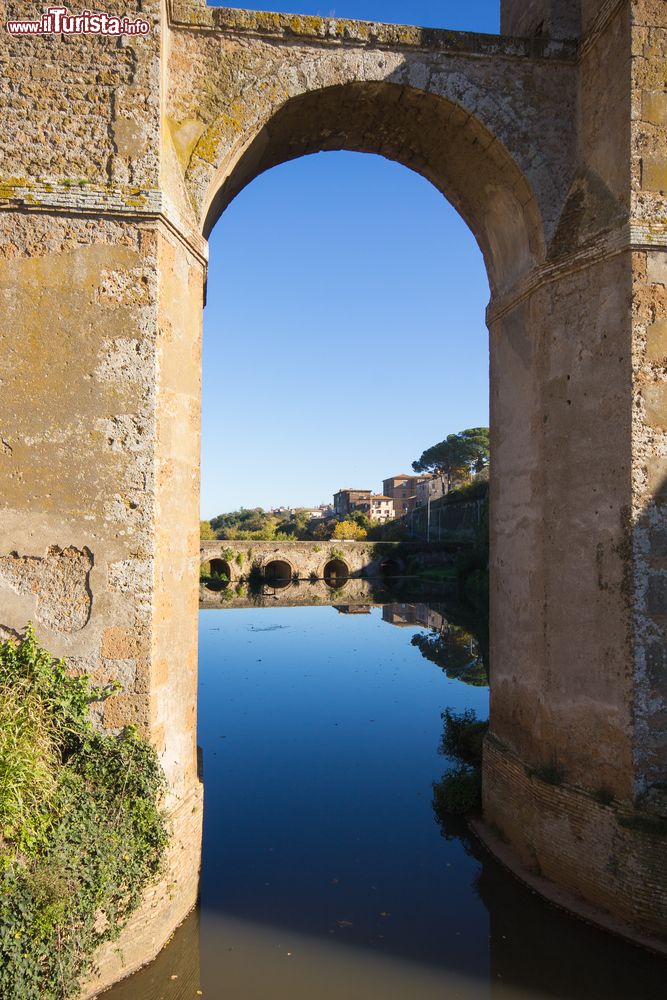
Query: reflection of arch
{"x": 278, "y": 573}
{"x": 390, "y": 567}
{"x": 336, "y": 573}
{"x": 425, "y": 132}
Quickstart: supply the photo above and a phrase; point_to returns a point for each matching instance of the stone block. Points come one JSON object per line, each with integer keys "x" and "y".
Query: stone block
{"x": 128, "y": 710}
{"x": 654, "y": 107}
{"x": 656, "y": 474}
{"x": 655, "y": 403}
{"x": 656, "y": 267}
{"x": 121, "y": 644}
{"x": 656, "y": 341}
{"x": 654, "y": 173}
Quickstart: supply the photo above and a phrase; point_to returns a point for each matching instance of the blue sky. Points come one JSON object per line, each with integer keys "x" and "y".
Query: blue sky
{"x": 344, "y": 329}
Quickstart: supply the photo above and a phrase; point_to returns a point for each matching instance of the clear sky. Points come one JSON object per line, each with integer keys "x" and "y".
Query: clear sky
{"x": 344, "y": 329}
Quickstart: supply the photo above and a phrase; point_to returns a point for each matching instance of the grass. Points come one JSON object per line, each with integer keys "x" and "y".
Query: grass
{"x": 82, "y": 832}
{"x": 28, "y": 761}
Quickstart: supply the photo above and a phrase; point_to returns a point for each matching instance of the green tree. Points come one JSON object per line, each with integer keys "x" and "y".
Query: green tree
{"x": 323, "y": 530}
{"x": 206, "y": 532}
{"x": 361, "y": 518}
{"x": 457, "y": 457}
{"x": 246, "y": 523}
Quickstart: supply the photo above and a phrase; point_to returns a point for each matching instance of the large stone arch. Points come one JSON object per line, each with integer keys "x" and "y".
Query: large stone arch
{"x": 497, "y": 126}
{"x": 422, "y": 130}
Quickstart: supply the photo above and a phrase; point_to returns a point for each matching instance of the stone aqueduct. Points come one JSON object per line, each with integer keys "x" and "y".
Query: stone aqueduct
{"x": 116, "y": 159}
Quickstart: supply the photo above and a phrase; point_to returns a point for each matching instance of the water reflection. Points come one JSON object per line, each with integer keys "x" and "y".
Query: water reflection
{"x": 336, "y": 573}
{"x": 325, "y": 873}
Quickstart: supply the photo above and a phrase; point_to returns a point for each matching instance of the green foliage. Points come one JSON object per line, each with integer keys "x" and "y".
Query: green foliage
{"x": 458, "y": 456}
{"x": 463, "y": 736}
{"x": 206, "y": 533}
{"x": 28, "y": 761}
{"x": 390, "y": 531}
{"x": 361, "y": 518}
{"x": 441, "y": 574}
{"x": 257, "y": 524}
{"x": 458, "y": 793}
{"x": 82, "y": 832}
{"x": 457, "y": 652}
{"x": 478, "y": 489}
{"x": 460, "y": 790}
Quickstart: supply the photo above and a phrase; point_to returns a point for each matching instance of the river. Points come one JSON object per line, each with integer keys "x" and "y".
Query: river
{"x": 325, "y": 872}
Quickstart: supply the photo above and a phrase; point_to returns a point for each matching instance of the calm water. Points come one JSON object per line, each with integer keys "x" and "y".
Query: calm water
{"x": 325, "y": 873}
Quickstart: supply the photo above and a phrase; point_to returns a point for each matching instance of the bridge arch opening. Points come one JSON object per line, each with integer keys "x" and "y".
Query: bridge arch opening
{"x": 336, "y": 573}
{"x": 220, "y": 570}
{"x": 459, "y": 153}
{"x": 278, "y": 573}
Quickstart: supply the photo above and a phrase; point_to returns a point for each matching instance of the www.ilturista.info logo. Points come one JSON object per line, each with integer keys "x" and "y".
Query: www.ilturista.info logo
{"x": 59, "y": 21}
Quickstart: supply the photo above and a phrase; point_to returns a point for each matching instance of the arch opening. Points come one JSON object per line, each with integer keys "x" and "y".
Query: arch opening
{"x": 336, "y": 573}
{"x": 278, "y": 574}
{"x": 221, "y": 570}
{"x": 217, "y": 574}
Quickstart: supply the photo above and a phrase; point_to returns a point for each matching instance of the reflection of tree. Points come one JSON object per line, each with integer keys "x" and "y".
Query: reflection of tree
{"x": 457, "y": 652}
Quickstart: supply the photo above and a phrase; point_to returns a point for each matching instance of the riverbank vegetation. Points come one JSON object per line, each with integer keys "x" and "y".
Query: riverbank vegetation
{"x": 81, "y": 831}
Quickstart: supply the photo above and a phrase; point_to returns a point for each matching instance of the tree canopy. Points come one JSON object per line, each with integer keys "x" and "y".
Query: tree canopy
{"x": 458, "y": 456}
{"x": 350, "y": 530}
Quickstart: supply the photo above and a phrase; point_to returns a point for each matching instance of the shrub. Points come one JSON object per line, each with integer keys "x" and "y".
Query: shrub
{"x": 350, "y": 531}
{"x": 458, "y": 793}
{"x": 82, "y": 831}
{"x": 463, "y": 736}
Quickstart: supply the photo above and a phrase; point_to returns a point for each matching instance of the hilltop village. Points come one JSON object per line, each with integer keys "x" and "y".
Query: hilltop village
{"x": 455, "y": 469}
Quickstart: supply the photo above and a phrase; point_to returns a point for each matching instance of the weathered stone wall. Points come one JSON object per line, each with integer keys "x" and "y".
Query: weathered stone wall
{"x": 649, "y": 411}
{"x": 92, "y": 508}
{"x": 557, "y": 18}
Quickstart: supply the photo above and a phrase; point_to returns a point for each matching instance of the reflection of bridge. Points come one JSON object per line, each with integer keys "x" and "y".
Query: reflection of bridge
{"x": 336, "y": 561}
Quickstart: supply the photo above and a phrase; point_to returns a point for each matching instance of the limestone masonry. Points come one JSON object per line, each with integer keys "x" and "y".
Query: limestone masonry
{"x": 119, "y": 154}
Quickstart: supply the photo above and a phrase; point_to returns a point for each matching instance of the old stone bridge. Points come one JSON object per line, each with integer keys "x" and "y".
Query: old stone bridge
{"x": 117, "y": 157}
{"x": 337, "y": 561}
